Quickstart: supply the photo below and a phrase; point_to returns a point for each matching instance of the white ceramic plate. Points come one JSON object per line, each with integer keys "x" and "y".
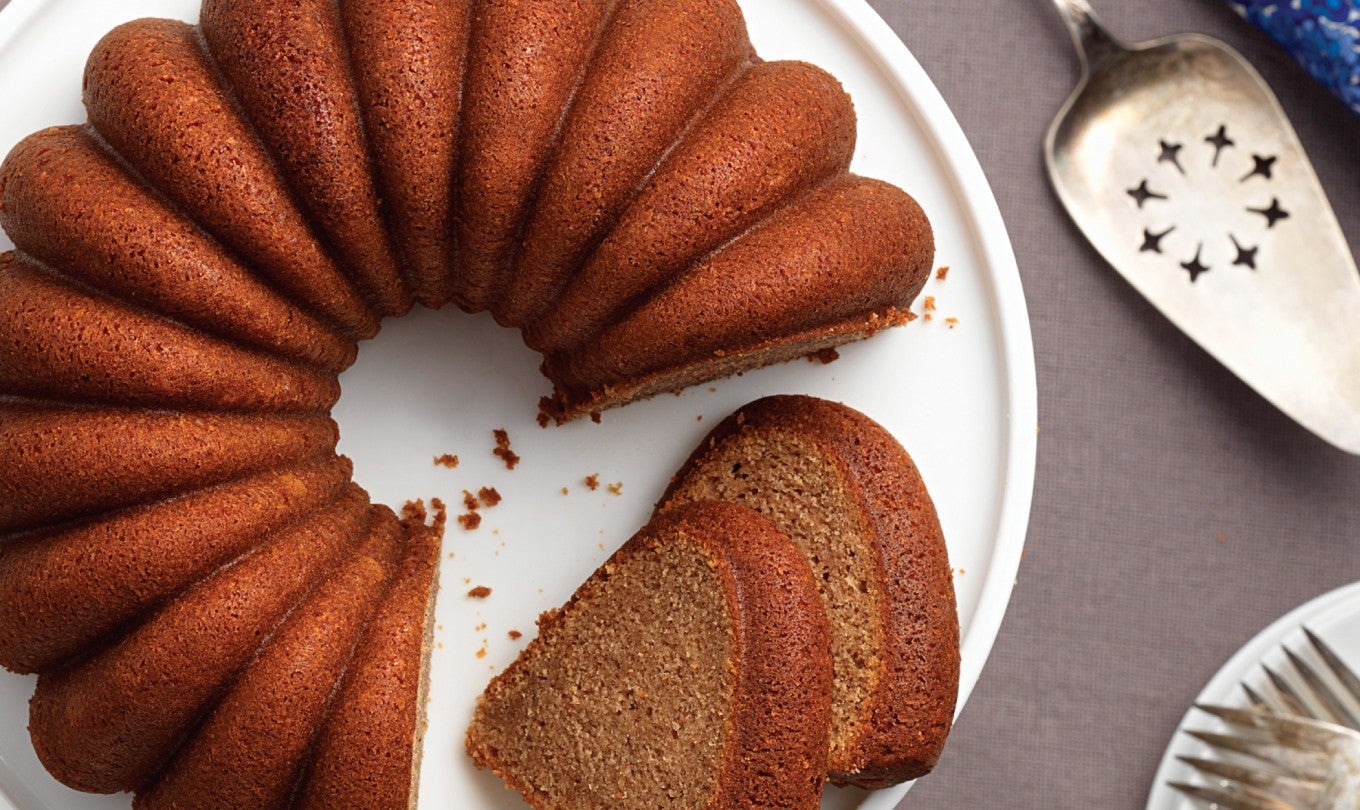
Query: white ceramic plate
{"x": 1333, "y": 617}
{"x": 961, "y": 399}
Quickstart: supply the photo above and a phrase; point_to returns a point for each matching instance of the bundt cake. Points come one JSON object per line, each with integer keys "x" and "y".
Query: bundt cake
{"x": 690, "y": 670}
{"x": 852, "y": 500}
{"x": 624, "y": 181}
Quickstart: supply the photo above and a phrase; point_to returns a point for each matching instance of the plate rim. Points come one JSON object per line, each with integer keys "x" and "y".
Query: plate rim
{"x": 1016, "y": 349}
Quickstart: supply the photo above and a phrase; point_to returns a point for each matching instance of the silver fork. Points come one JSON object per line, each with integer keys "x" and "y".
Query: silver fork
{"x": 1296, "y": 747}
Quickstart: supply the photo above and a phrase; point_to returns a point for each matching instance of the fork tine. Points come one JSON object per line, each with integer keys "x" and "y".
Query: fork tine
{"x": 1230, "y": 798}
{"x": 1231, "y": 744}
{"x": 1348, "y": 679}
{"x": 1339, "y": 711}
{"x": 1255, "y": 699}
{"x": 1290, "y": 698}
{"x": 1249, "y": 777}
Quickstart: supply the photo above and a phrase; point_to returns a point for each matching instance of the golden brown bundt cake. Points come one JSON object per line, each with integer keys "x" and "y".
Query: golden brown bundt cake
{"x": 250, "y": 751}
{"x": 152, "y": 94}
{"x": 528, "y": 57}
{"x": 366, "y": 757}
{"x": 690, "y": 670}
{"x": 850, "y": 497}
{"x": 780, "y": 129}
{"x": 407, "y": 58}
{"x": 60, "y": 342}
{"x": 62, "y": 590}
{"x": 62, "y": 462}
{"x": 64, "y": 200}
{"x": 287, "y": 64}
{"x": 659, "y": 64}
{"x": 839, "y": 264}
{"x": 110, "y": 723}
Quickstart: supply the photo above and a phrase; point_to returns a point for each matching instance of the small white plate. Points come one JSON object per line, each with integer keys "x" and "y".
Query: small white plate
{"x": 1333, "y": 617}
{"x": 961, "y": 399}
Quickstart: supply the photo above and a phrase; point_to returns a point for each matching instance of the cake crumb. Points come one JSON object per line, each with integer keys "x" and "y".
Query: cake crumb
{"x": 1221, "y": 538}
{"x": 414, "y": 512}
{"x": 479, "y": 592}
{"x": 503, "y": 451}
{"x": 467, "y": 580}
{"x": 953, "y": 322}
{"x": 615, "y": 488}
{"x": 712, "y": 389}
{"x": 470, "y": 501}
{"x": 488, "y": 496}
{"x": 941, "y": 273}
{"x": 595, "y": 417}
{"x": 825, "y": 356}
{"x": 469, "y": 520}
{"x": 928, "y": 303}
{"x": 699, "y": 418}
{"x": 446, "y": 460}
{"x": 565, "y": 490}
{"x": 479, "y": 628}
{"x": 481, "y": 652}
{"x": 593, "y": 481}
{"x": 543, "y": 418}
{"x": 515, "y": 635}
{"x": 929, "y": 317}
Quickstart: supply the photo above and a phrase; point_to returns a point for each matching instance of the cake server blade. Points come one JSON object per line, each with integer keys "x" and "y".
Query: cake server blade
{"x": 1178, "y": 164}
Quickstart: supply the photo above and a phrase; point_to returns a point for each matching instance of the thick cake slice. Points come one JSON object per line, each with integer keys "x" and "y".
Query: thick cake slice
{"x": 408, "y": 58}
{"x": 840, "y": 264}
{"x": 59, "y": 342}
{"x": 61, "y": 462}
{"x": 102, "y": 227}
{"x": 368, "y": 754}
{"x": 287, "y": 63}
{"x": 689, "y": 671}
{"x": 111, "y": 722}
{"x": 778, "y": 130}
{"x": 61, "y": 591}
{"x": 660, "y": 62}
{"x": 250, "y": 751}
{"x": 850, "y": 497}
{"x": 151, "y": 93}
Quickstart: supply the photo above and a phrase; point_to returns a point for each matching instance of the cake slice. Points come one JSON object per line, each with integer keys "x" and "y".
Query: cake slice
{"x": 102, "y": 227}
{"x": 367, "y": 756}
{"x": 111, "y": 722}
{"x": 850, "y": 497}
{"x": 287, "y": 63}
{"x": 61, "y": 462}
{"x": 689, "y": 671}
{"x": 408, "y": 58}
{"x": 58, "y": 341}
{"x": 526, "y": 59}
{"x": 152, "y": 93}
{"x": 659, "y": 64}
{"x": 778, "y": 130}
{"x": 839, "y": 264}
{"x": 250, "y": 750}
{"x": 62, "y": 590}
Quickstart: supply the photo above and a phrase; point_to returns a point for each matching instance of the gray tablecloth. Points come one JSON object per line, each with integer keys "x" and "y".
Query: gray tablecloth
{"x": 1175, "y": 512}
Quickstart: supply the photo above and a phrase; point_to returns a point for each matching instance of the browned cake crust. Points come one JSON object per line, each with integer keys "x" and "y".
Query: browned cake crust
{"x": 64, "y": 200}
{"x": 110, "y": 723}
{"x": 62, "y": 590}
{"x": 840, "y": 263}
{"x": 659, "y": 64}
{"x": 365, "y": 757}
{"x": 780, "y": 129}
{"x": 249, "y": 752}
{"x": 61, "y": 343}
{"x": 774, "y": 750}
{"x": 152, "y": 94}
{"x": 62, "y": 462}
{"x": 528, "y": 56}
{"x": 408, "y": 58}
{"x": 287, "y": 63}
{"x": 907, "y": 717}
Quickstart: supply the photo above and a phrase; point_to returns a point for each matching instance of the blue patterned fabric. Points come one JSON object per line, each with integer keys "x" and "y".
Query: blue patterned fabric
{"x": 1324, "y": 35}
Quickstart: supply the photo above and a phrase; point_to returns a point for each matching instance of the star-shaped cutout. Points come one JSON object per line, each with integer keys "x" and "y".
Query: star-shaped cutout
{"x": 1142, "y": 194}
{"x": 1171, "y": 153}
{"x": 1245, "y": 256}
{"x": 1220, "y": 141}
{"x": 1265, "y": 166}
{"x": 1195, "y": 267}
{"x": 1153, "y": 241}
{"x": 1273, "y": 214}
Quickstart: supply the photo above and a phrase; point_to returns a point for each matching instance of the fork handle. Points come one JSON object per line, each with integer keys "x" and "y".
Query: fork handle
{"x": 1094, "y": 43}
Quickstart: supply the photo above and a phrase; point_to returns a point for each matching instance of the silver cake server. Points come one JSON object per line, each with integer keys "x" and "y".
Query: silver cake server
{"x": 1177, "y": 162}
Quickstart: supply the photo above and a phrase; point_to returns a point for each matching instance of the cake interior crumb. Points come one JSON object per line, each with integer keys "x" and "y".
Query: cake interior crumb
{"x": 615, "y": 488}
{"x": 446, "y": 460}
{"x": 592, "y": 481}
{"x": 515, "y": 635}
{"x": 479, "y": 592}
{"x": 503, "y": 451}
